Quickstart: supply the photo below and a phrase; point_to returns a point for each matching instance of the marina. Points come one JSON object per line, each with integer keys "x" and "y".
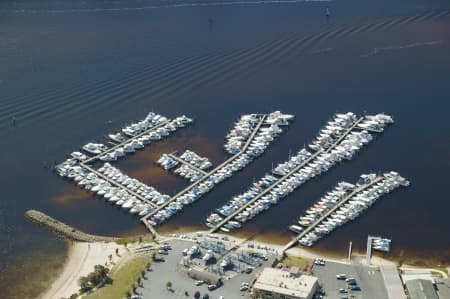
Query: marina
{"x": 247, "y": 140}
{"x": 108, "y": 181}
{"x": 340, "y": 139}
{"x": 80, "y": 72}
{"x": 343, "y": 204}
{"x": 135, "y": 136}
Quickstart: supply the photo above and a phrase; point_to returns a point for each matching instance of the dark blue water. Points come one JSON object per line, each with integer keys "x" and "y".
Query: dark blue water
{"x": 72, "y": 71}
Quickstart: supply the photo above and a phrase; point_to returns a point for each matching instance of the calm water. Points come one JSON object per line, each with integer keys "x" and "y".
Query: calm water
{"x": 72, "y": 71}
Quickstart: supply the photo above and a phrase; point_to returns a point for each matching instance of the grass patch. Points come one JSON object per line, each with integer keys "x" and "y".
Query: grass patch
{"x": 295, "y": 261}
{"x": 128, "y": 240}
{"x": 123, "y": 279}
{"x": 437, "y": 274}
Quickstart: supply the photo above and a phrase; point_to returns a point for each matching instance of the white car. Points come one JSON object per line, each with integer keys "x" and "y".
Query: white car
{"x": 199, "y": 282}
{"x": 341, "y": 276}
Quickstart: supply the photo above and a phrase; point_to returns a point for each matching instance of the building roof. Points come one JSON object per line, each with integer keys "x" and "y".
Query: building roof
{"x": 421, "y": 289}
{"x": 281, "y": 282}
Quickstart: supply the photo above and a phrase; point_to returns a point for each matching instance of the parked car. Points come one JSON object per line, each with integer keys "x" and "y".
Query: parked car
{"x": 355, "y": 288}
{"x": 199, "y": 282}
{"x": 341, "y": 276}
{"x": 212, "y": 287}
{"x": 243, "y": 288}
{"x": 319, "y": 262}
{"x": 342, "y": 290}
{"x": 159, "y": 259}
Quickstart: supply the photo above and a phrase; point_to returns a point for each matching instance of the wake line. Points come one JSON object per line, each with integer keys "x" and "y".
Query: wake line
{"x": 407, "y": 46}
{"x": 179, "y": 5}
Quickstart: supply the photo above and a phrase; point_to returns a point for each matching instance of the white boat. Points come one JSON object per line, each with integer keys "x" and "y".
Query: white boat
{"x": 78, "y": 156}
{"x": 296, "y": 229}
{"x": 94, "y": 148}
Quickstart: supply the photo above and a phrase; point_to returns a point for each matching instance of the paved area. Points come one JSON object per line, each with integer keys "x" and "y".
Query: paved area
{"x": 369, "y": 279}
{"x": 392, "y": 282}
{"x": 154, "y": 286}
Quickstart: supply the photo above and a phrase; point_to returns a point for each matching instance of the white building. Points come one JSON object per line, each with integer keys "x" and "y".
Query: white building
{"x": 279, "y": 284}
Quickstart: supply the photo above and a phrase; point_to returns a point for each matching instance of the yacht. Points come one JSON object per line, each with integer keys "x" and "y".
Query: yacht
{"x": 117, "y": 137}
{"x": 78, "y": 156}
{"x": 94, "y": 148}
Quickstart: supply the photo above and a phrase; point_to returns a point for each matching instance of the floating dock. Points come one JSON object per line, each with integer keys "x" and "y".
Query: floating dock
{"x": 328, "y": 213}
{"x": 118, "y": 145}
{"x": 347, "y": 207}
{"x": 283, "y": 178}
{"x": 181, "y": 161}
{"x": 207, "y": 175}
{"x": 112, "y": 182}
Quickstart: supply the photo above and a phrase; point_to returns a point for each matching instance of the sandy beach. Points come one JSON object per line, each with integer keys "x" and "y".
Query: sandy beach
{"x": 81, "y": 260}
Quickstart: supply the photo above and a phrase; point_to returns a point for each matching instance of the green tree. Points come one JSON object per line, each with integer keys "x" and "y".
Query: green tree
{"x": 169, "y": 285}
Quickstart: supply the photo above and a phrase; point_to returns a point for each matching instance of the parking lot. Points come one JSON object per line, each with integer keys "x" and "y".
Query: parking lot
{"x": 369, "y": 280}
{"x": 154, "y": 286}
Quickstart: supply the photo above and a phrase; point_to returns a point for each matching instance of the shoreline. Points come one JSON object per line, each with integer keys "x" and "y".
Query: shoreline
{"x": 399, "y": 256}
{"x": 81, "y": 259}
{"x": 83, "y": 256}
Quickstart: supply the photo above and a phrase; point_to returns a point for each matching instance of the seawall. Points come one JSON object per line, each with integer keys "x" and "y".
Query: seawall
{"x": 63, "y": 229}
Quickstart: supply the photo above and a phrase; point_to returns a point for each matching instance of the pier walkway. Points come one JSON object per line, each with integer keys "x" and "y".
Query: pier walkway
{"x": 331, "y": 211}
{"x": 112, "y": 182}
{"x": 116, "y": 146}
{"x": 206, "y": 176}
{"x": 285, "y": 177}
{"x": 179, "y": 160}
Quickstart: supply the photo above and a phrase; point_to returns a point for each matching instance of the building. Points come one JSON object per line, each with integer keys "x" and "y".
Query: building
{"x": 392, "y": 282}
{"x": 421, "y": 289}
{"x": 279, "y": 284}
